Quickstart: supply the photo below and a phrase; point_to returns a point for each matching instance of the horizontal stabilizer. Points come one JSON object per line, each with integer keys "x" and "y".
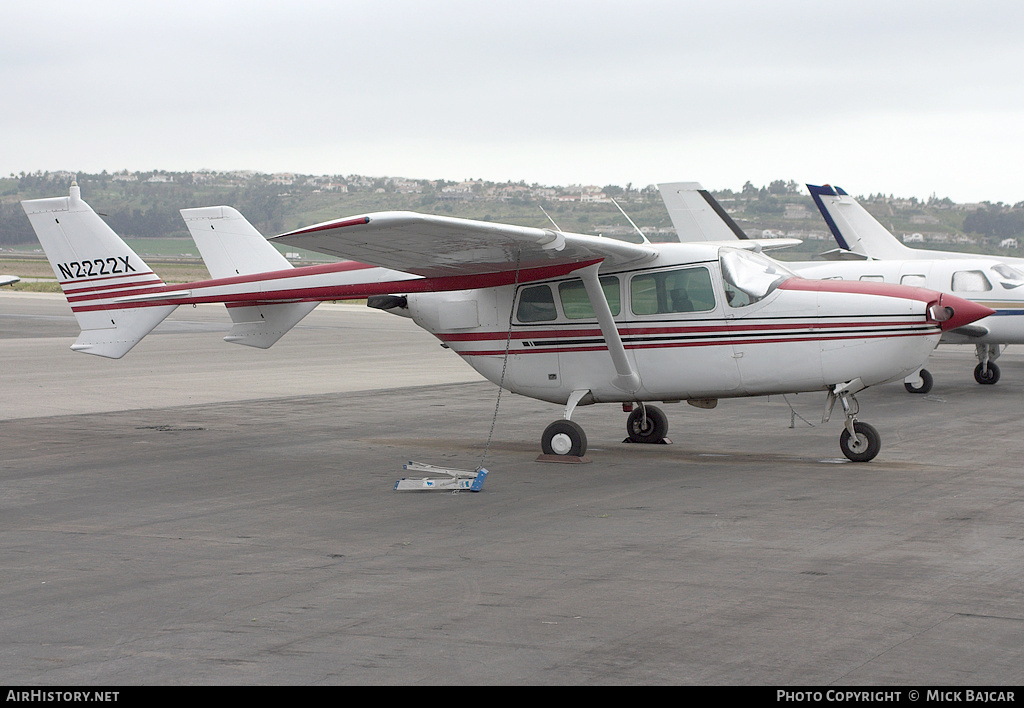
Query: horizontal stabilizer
{"x": 841, "y": 254}
{"x": 765, "y": 244}
{"x": 262, "y": 325}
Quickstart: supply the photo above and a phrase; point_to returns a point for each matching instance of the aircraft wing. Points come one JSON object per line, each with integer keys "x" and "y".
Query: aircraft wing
{"x": 697, "y": 216}
{"x": 441, "y": 246}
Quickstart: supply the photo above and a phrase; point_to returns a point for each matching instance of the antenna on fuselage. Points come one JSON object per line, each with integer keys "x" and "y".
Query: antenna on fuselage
{"x": 549, "y": 218}
{"x": 643, "y": 238}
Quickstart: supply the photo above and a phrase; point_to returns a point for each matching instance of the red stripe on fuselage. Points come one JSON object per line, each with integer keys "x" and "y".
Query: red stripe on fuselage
{"x": 636, "y": 331}
{"x": 710, "y": 343}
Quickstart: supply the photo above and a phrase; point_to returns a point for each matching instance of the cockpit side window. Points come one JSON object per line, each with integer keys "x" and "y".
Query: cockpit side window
{"x": 679, "y": 290}
{"x": 536, "y": 304}
{"x": 972, "y": 281}
{"x": 576, "y": 304}
{"x": 749, "y": 277}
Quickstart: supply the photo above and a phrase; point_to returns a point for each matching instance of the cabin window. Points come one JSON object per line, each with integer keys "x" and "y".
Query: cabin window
{"x": 576, "y": 304}
{"x": 749, "y": 277}
{"x": 972, "y": 281}
{"x": 873, "y": 278}
{"x": 917, "y": 281}
{"x": 681, "y": 290}
{"x": 536, "y": 304}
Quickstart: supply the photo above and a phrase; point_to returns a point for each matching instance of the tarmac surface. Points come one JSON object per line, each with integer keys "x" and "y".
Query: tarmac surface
{"x": 202, "y": 513}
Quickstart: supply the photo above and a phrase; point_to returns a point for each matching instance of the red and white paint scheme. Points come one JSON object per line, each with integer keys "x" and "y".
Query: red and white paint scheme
{"x": 565, "y": 318}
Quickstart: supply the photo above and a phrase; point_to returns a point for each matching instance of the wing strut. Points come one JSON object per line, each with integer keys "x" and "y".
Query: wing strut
{"x": 627, "y": 379}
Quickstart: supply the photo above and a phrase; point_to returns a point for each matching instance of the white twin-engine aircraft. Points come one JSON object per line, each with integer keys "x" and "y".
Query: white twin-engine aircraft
{"x": 986, "y": 280}
{"x": 560, "y": 317}
{"x": 990, "y": 280}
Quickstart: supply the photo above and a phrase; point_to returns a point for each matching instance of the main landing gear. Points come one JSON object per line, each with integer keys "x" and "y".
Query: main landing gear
{"x": 564, "y": 438}
{"x": 859, "y": 441}
{"x": 986, "y": 372}
{"x": 921, "y": 383}
{"x": 647, "y": 424}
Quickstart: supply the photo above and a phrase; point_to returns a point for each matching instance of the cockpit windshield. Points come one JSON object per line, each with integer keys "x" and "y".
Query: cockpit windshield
{"x": 749, "y": 277}
{"x": 1015, "y": 276}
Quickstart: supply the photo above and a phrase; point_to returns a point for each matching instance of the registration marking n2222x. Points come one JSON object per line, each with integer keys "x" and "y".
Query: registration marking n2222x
{"x": 93, "y": 268}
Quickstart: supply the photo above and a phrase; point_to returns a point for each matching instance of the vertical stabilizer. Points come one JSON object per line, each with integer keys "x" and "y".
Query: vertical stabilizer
{"x": 230, "y": 247}
{"x": 853, "y": 228}
{"x": 229, "y": 244}
{"x": 696, "y": 215}
{"x": 95, "y": 268}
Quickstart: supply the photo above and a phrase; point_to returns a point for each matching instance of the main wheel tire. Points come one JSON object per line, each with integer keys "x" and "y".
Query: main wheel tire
{"x": 653, "y": 432}
{"x": 926, "y": 383}
{"x": 986, "y": 376}
{"x": 866, "y": 445}
{"x": 564, "y": 438}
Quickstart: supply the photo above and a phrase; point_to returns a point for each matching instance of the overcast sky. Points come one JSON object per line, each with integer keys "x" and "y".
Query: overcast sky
{"x": 912, "y": 98}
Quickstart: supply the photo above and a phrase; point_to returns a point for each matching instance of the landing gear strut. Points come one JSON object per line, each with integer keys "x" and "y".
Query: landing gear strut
{"x": 987, "y": 372}
{"x": 564, "y": 438}
{"x": 647, "y": 424}
{"x": 859, "y": 441}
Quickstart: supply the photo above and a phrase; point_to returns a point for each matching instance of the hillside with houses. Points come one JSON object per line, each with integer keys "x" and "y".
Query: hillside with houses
{"x": 146, "y": 204}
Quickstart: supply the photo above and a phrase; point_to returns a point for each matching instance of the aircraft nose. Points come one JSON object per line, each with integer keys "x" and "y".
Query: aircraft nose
{"x": 952, "y": 311}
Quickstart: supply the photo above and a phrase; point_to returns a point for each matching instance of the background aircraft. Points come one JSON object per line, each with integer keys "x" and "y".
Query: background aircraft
{"x": 990, "y": 280}
{"x": 529, "y": 309}
{"x": 985, "y": 280}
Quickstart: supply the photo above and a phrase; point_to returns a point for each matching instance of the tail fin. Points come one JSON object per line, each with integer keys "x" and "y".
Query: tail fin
{"x": 95, "y": 268}
{"x": 854, "y": 229}
{"x": 696, "y": 215}
{"x": 232, "y": 247}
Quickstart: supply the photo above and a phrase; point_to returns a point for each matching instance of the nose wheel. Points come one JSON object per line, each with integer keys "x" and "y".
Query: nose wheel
{"x": 863, "y": 444}
{"x": 859, "y": 441}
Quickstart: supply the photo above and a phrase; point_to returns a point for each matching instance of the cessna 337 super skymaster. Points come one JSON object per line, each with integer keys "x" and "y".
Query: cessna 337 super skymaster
{"x": 560, "y": 317}
{"x": 983, "y": 279}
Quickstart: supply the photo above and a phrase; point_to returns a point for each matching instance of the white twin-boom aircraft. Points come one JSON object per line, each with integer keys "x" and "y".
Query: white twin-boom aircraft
{"x": 566, "y": 318}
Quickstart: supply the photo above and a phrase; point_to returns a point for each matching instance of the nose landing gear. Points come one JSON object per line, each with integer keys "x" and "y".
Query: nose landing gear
{"x": 860, "y": 442}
